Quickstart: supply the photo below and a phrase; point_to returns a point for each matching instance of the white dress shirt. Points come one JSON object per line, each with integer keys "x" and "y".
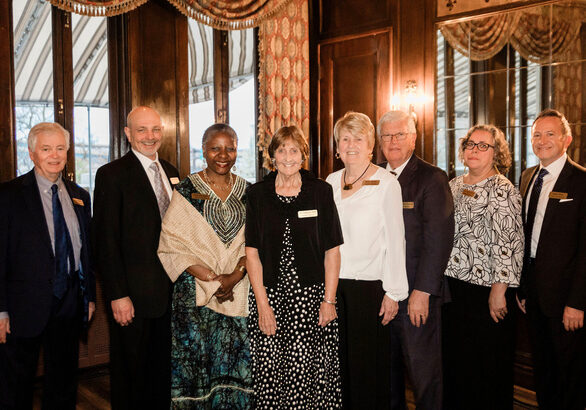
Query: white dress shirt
{"x": 399, "y": 169}
{"x": 146, "y": 164}
{"x": 374, "y": 233}
{"x": 554, "y": 169}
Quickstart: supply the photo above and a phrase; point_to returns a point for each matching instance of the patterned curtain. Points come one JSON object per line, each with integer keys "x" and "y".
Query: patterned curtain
{"x": 97, "y": 7}
{"x": 284, "y": 73}
{"x": 230, "y": 14}
{"x": 528, "y": 31}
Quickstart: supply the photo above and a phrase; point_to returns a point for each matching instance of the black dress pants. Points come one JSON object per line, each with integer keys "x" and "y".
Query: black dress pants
{"x": 365, "y": 346}
{"x": 478, "y": 352}
{"x": 418, "y": 350}
{"x": 19, "y": 358}
{"x": 140, "y": 363}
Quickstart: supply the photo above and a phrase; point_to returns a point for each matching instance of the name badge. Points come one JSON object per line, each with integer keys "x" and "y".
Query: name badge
{"x": 310, "y": 213}
{"x": 174, "y": 180}
{"x": 203, "y": 197}
{"x": 408, "y": 205}
{"x": 469, "y": 193}
{"x": 77, "y": 201}
{"x": 371, "y": 182}
{"x": 558, "y": 195}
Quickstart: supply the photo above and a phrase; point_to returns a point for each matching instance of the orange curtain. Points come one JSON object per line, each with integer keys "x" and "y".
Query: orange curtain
{"x": 230, "y": 14}
{"x": 97, "y": 7}
{"x": 284, "y": 73}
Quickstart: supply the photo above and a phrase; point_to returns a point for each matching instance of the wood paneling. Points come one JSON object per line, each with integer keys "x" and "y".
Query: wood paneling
{"x": 157, "y": 64}
{"x": 221, "y": 76}
{"x": 354, "y": 76}
{"x": 343, "y": 17}
{"x": 7, "y": 120}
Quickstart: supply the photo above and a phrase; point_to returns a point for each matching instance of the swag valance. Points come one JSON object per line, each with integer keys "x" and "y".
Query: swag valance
{"x": 219, "y": 14}
{"x": 540, "y": 34}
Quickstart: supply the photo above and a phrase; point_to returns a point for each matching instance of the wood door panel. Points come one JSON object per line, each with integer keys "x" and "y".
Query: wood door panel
{"x": 354, "y": 76}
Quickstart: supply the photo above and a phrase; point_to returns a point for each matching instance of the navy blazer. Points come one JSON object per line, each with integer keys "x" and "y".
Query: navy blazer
{"x": 559, "y": 275}
{"x": 27, "y": 261}
{"x": 126, "y": 227}
{"x": 428, "y": 213}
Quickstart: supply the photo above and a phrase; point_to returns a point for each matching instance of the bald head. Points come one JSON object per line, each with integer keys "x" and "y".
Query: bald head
{"x": 144, "y": 130}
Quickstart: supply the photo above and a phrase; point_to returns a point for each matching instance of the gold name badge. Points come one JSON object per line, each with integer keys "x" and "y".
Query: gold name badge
{"x": 371, "y": 182}
{"x": 174, "y": 180}
{"x": 77, "y": 201}
{"x": 310, "y": 213}
{"x": 408, "y": 205}
{"x": 469, "y": 193}
{"x": 203, "y": 197}
{"x": 558, "y": 195}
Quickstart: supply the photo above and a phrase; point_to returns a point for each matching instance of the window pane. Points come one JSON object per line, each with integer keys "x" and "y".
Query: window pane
{"x": 90, "y": 92}
{"x": 33, "y": 69}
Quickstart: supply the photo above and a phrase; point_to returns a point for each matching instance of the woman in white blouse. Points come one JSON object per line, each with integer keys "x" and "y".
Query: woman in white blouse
{"x": 373, "y": 277}
{"x": 486, "y": 262}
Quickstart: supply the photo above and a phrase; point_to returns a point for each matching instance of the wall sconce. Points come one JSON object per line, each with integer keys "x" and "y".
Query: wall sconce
{"x": 408, "y": 99}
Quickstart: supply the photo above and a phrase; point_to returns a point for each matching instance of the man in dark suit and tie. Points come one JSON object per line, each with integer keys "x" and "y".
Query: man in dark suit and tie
{"x": 553, "y": 281}
{"x": 428, "y": 213}
{"x": 131, "y": 196}
{"x": 47, "y": 287}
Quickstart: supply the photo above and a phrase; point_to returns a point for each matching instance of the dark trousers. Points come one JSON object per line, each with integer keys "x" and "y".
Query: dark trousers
{"x": 20, "y": 355}
{"x": 558, "y": 361}
{"x": 478, "y": 352}
{"x": 140, "y": 363}
{"x": 418, "y": 350}
{"x": 365, "y": 346}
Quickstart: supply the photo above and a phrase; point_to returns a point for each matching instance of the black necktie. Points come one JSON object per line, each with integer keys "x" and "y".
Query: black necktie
{"x": 64, "y": 259}
{"x": 532, "y": 209}
{"x": 393, "y": 172}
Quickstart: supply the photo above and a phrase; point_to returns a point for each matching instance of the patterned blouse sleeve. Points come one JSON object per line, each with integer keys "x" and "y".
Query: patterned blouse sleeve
{"x": 507, "y": 234}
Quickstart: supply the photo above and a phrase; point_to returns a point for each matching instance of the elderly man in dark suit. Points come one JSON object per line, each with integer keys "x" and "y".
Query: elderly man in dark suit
{"x": 553, "y": 281}
{"x": 47, "y": 288}
{"x": 131, "y": 196}
{"x": 428, "y": 213}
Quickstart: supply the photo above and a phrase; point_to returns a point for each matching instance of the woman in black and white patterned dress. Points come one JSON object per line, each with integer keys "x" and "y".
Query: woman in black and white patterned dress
{"x": 292, "y": 247}
{"x": 486, "y": 262}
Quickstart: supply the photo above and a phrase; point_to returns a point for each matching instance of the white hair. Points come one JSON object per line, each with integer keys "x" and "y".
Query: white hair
{"x": 396, "y": 116}
{"x": 46, "y": 127}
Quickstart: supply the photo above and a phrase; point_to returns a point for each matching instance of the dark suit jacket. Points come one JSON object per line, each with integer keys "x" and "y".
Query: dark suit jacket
{"x": 429, "y": 224}
{"x": 126, "y": 227}
{"x": 27, "y": 261}
{"x": 559, "y": 276}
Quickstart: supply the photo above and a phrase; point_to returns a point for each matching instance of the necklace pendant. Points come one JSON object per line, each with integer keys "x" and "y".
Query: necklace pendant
{"x": 347, "y": 187}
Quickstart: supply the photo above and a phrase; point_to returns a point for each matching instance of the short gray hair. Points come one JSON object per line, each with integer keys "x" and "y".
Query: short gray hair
{"x": 219, "y": 128}
{"x": 46, "y": 127}
{"x": 396, "y": 116}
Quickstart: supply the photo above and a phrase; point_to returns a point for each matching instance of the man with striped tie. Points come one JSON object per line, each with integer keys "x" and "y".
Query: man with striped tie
{"x": 131, "y": 196}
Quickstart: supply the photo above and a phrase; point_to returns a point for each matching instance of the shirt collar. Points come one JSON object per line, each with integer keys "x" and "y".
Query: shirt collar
{"x": 400, "y": 168}
{"x": 555, "y": 168}
{"x": 44, "y": 184}
{"x": 144, "y": 160}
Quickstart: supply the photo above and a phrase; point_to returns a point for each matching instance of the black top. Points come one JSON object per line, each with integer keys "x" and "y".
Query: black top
{"x": 314, "y": 222}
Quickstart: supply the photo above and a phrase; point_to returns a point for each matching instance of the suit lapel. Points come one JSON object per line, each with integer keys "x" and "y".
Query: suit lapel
{"x": 524, "y": 188}
{"x": 32, "y": 199}
{"x": 563, "y": 184}
{"x": 406, "y": 177}
{"x": 79, "y": 209}
{"x": 139, "y": 177}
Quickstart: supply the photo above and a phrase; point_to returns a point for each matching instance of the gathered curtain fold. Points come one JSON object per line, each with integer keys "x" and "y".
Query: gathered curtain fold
{"x": 536, "y": 34}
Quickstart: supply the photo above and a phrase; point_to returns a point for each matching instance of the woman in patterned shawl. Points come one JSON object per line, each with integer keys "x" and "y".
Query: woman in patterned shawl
{"x": 485, "y": 264}
{"x": 202, "y": 250}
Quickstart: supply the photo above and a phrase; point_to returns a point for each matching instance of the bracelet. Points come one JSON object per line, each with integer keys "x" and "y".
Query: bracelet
{"x": 331, "y": 302}
{"x": 210, "y": 275}
{"x": 241, "y": 268}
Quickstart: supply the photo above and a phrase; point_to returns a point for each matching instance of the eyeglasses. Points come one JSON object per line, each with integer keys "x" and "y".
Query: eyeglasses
{"x": 400, "y": 136}
{"x": 482, "y": 146}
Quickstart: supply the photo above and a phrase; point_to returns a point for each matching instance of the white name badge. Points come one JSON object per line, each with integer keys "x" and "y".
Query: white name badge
{"x": 310, "y": 213}
{"x": 174, "y": 180}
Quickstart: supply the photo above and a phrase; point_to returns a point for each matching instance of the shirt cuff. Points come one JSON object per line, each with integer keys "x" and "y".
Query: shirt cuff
{"x": 4, "y": 315}
{"x": 396, "y": 298}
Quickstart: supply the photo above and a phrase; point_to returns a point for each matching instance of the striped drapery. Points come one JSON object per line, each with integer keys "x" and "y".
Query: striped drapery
{"x": 105, "y": 8}
{"x": 284, "y": 73}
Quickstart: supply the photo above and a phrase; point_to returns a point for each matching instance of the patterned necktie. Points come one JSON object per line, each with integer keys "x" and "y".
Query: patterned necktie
{"x": 64, "y": 259}
{"x": 160, "y": 191}
{"x": 532, "y": 210}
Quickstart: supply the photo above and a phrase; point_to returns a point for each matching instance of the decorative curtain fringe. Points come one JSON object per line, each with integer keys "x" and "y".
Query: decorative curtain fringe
{"x": 105, "y": 9}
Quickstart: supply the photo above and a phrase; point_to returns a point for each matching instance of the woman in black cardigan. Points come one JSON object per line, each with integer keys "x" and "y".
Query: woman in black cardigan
{"x": 292, "y": 247}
